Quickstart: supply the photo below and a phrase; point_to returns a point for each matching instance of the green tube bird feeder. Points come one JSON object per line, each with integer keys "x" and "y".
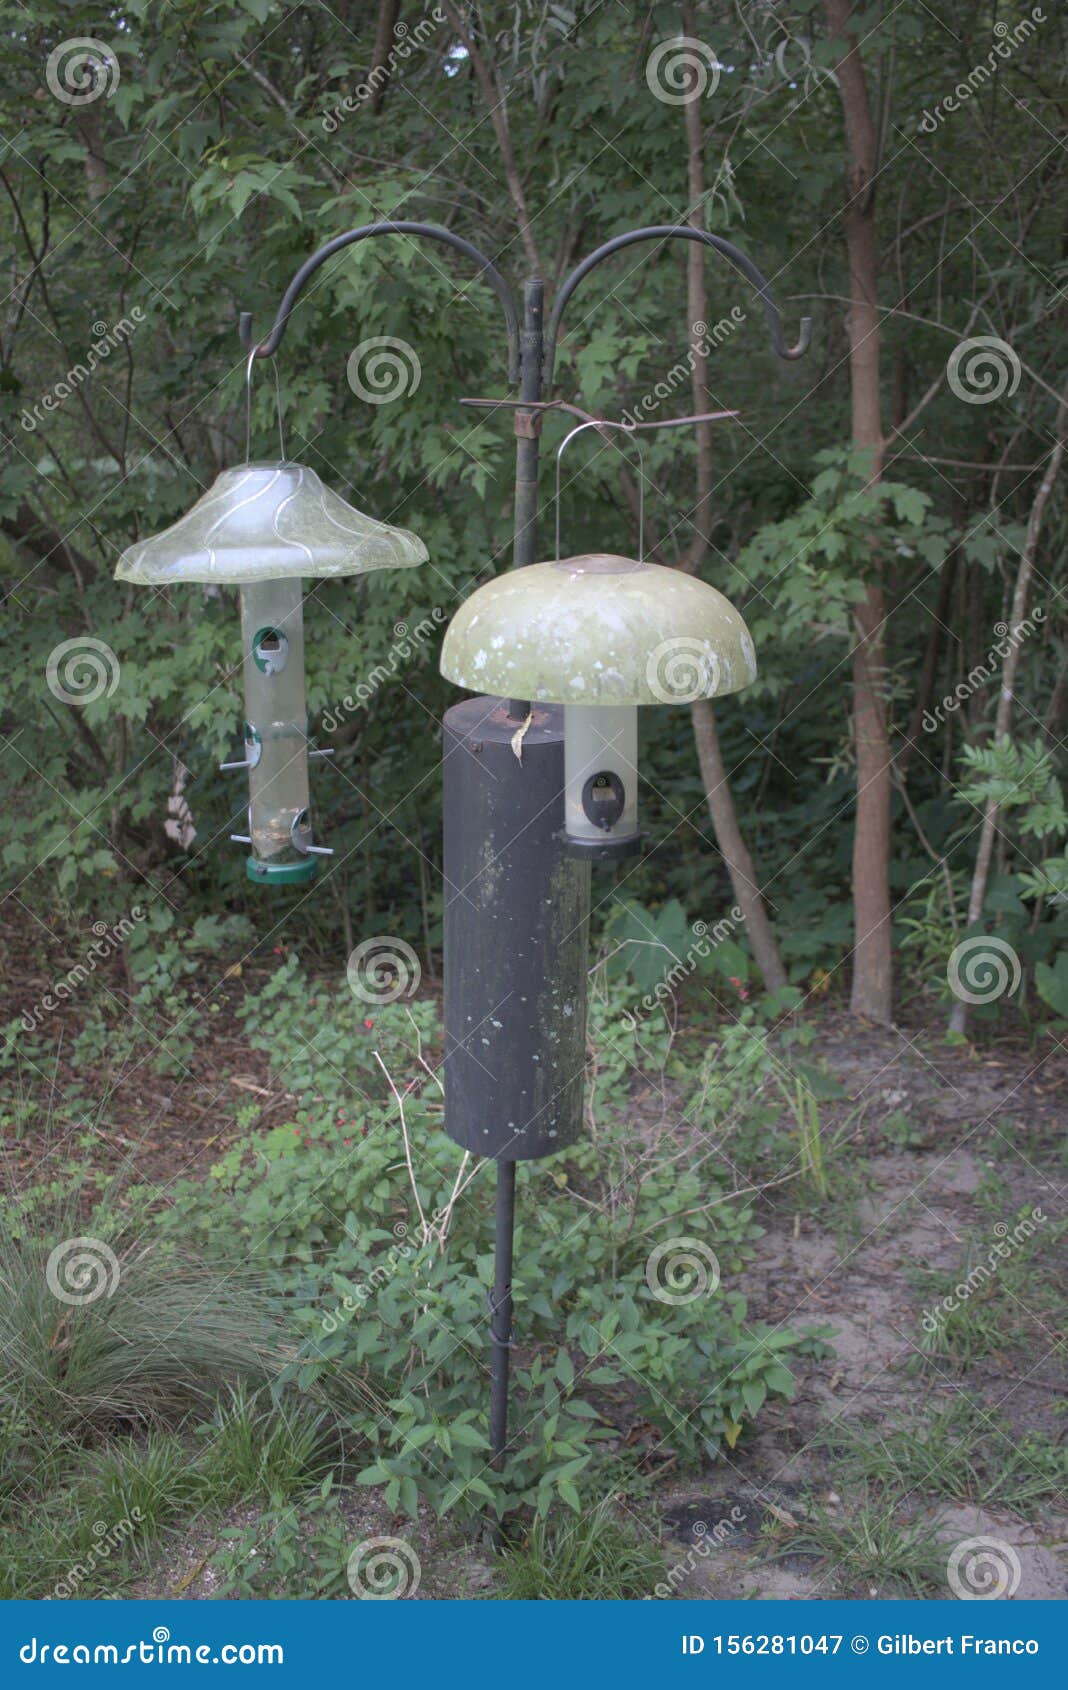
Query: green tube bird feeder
{"x": 265, "y": 528}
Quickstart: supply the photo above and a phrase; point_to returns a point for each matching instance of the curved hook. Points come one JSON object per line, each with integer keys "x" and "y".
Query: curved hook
{"x": 423, "y": 231}
{"x": 682, "y": 232}
{"x": 627, "y": 429}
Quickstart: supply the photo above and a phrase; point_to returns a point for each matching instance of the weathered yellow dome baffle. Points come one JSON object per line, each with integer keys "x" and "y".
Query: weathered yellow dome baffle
{"x": 264, "y": 527}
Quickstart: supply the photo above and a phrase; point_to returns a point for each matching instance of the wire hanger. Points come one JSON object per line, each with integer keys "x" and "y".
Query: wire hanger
{"x": 627, "y": 428}
{"x": 248, "y": 408}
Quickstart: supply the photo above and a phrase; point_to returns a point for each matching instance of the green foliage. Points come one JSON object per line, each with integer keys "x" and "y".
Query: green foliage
{"x": 177, "y": 195}
{"x": 100, "y": 1330}
{"x": 832, "y": 541}
{"x": 1003, "y": 1290}
{"x": 955, "y": 1450}
{"x": 900, "y": 1130}
{"x": 389, "y": 1293}
{"x": 599, "y": 1557}
{"x": 91, "y": 1524}
{"x": 1016, "y": 776}
{"x": 168, "y": 205}
{"x": 326, "y": 1045}
{"x": 1026, "y": 907}
{"x": 650, "y": 942}
{"x": 868, "y": 1545}
{"x": 257, "y": 1447}
{"x": 1051, "y": 983}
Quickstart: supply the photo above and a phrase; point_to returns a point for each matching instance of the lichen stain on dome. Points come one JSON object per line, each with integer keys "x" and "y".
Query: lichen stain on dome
{"x": 557, "y": 634}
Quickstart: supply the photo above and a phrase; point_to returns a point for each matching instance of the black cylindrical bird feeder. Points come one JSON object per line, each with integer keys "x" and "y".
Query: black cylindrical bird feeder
{"x": 587, "y": 641}
{"x": 516, "y": 918}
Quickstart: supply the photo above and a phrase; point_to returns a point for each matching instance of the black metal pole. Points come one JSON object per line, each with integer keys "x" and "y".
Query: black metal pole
{"x": 501, "y": 1320}
{"x": 524, "y": 551}
{"x": 528, "y": 425}
{"x": 529, "y": 871}
{"x": 527, "y": 441}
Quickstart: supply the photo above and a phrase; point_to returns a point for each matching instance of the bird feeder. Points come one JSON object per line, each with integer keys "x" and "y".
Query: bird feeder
{"x": 265, "y": 527}
{"x": 516, "y": 900}
{"x": 599, "y": 635}
{"x": 586, "y": 641}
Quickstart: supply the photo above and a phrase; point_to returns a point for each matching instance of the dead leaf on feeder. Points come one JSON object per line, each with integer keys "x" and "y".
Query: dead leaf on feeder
{"x": 518, "y": 736}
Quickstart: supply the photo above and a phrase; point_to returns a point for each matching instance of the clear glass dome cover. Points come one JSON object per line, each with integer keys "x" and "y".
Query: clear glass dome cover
{"x": 265, "y": 521}
{"x": 599, "y": 630}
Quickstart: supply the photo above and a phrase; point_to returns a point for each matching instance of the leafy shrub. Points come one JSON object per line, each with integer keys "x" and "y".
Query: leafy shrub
{"x": 388, "y": 1283}
{"x": 305, "y": 1547}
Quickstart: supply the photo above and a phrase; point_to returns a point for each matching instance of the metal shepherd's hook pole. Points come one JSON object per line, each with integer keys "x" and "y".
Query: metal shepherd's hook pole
{"x": 501, "y": 1319}
{"x": 509, "y": 811}
{"x": 524, "y": 551}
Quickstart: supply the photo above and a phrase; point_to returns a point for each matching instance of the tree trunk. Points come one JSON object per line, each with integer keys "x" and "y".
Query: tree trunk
{"x": 735, "y": 853}
{"x": 496, "y": 102}
{"x": 382, "y": 56}
{"x": 872, "y": 993}
{"x": 958, "y": 1020}
{"x": 96, "y": 170}
{"x": 706, "y": 735}
{"x": 929, "y": 669}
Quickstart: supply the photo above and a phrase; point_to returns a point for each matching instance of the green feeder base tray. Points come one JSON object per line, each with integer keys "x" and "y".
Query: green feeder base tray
{"x": 281, "y": 874}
